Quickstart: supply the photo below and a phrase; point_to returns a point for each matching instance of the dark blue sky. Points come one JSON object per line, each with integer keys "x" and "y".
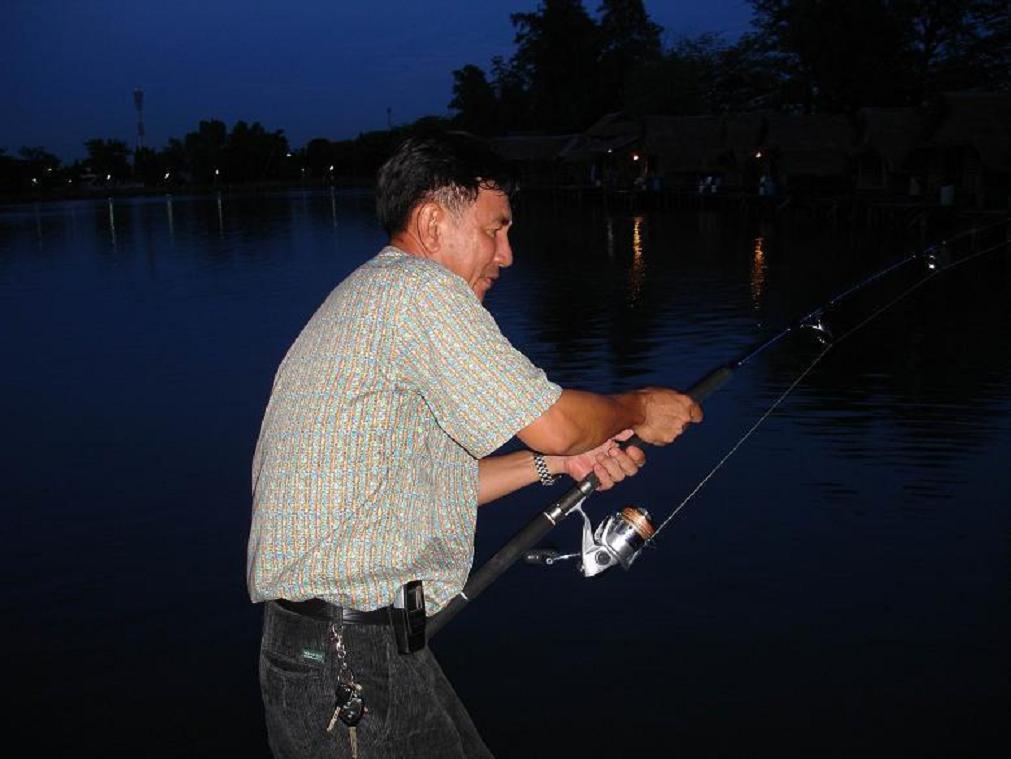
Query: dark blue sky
{"x": 314, "y": 68}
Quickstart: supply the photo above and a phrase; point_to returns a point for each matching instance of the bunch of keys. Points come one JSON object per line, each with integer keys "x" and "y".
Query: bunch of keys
{"x": 349, "y": 702}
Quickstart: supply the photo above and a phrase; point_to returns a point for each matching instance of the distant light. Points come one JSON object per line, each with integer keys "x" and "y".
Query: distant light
{"x": 108, "y": 177}
{"x": 610, "y": 150}
{"x": 758, "y": 154}
{"x": 287, "y": 155}
{"x": 217, "y": 172}
{"x": 70, "y": 181}
{"x": 34, "y": 180}
{"x": 49, "y": 170}
{"x": 635, "y": 156}
{"x": 168, "y": 174}
{"x": 331, "y": 167}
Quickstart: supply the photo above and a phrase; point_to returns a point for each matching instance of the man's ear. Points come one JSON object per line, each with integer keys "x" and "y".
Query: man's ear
{"x": 429, "y": 219}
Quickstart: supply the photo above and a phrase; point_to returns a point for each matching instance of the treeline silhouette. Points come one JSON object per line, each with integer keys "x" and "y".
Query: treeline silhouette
{"x": 806, "y": 56}
{"x": 570, "y": 67}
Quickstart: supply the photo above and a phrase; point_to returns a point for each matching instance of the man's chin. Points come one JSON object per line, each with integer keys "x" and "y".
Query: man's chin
{"x": 481, "y": 288}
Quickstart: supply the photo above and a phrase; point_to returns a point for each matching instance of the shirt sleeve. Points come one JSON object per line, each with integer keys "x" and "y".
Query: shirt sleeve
{"x": 480, "y": 389}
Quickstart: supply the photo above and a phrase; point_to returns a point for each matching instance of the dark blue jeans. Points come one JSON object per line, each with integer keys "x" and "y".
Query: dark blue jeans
{"x": 413, "y": 710}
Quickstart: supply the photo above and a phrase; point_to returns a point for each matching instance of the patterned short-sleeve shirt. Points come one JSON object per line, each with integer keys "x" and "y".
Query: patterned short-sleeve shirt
{"x": 365, "y": 471}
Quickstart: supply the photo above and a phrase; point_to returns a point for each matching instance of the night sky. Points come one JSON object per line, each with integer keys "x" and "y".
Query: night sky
{"x": 315, "y": 69}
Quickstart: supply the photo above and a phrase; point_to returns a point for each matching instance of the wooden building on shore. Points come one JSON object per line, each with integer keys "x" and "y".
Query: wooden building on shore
{"x": 955, "y": 149}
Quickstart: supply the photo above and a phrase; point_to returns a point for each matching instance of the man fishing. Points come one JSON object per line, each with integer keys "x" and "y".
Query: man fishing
{"x": 375, "y": 451}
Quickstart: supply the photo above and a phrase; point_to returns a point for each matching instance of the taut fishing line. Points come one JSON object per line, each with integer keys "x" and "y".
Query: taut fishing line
{"x": 934, "y": 271}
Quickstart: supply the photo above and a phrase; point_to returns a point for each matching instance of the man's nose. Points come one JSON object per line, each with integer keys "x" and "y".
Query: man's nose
{"x": 504, "y": 254}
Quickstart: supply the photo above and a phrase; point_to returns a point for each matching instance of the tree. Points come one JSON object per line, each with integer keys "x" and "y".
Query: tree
{"x": 474, "y": 100}
{"x": 835, "y": 56}
{"x": 838, "y": 56}
{"x": 511, "y": 95}
{"x": 254, "y": 154}
{"x": 205, "y": 150}
{"x": 957, "y": 44}
{"x": 557, "y": 60}
{"x": 147, "y": 167}
{"x": 39, "y": 158}
{"x": 629, "y": 48}
{"x": 172, "y": 158}
{"x": 108, "y": 158}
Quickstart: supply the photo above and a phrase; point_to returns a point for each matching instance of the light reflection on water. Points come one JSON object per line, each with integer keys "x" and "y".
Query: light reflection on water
{"x": 841, "y": 576}
{"x": 758, "y": 273}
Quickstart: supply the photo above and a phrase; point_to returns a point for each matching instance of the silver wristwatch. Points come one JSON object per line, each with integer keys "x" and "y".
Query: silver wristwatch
{"x": 543, "y": 474}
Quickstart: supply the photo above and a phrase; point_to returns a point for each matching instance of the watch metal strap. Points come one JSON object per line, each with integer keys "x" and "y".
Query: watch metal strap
{"x": 543, "y": 474}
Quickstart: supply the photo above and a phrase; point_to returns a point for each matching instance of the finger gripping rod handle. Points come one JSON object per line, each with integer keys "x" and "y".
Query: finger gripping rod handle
{"x": 541, "y": 524}
{"x": 697, "y": 392}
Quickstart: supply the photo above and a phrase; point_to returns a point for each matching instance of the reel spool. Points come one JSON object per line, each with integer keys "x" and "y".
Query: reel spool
{"x": 617, "y": 540}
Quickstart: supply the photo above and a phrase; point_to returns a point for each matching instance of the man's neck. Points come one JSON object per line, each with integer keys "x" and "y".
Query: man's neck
{"x": 410, "y": 245}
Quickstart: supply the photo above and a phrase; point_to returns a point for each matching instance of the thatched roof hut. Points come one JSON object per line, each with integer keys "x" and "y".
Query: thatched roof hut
{"x": 809, "y": 145}
{"x": 892, "y": 133}
{"x": 683, "y": 144}
{"x": 743, "y": 134}
{"x": 615, "y": 131}
{"x": 886, "y": 138}
{"x": 534, "y": 158}
{"x": 977, "y": 120}
{"x": 533, "y": 148}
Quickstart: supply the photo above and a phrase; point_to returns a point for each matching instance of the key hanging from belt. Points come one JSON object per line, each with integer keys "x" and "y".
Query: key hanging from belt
{"x": 349, "y": 703}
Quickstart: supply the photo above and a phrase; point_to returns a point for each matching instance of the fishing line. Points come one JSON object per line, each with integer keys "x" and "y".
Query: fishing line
{"x": 740, "y": 442}
{"x": 860, "y": 325}
{"x": 618, "y": 540}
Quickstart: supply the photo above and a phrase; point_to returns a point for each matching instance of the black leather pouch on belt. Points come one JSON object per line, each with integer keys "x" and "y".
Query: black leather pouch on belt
{"x": 408, "y": 617}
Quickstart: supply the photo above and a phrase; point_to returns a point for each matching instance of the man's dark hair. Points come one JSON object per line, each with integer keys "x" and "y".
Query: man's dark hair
{"x": 449, "y": 167}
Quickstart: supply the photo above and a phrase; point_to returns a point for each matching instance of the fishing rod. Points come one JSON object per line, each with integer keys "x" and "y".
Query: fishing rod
{"x": 620, "y": 538}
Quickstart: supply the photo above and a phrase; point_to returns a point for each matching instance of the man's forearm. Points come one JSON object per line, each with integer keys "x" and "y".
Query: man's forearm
{"x": 579, "y": 421}
{"x": 501, "y": 475}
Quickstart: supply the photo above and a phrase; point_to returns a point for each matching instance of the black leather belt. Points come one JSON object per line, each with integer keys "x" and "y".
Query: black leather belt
{"x": 316, "y": 608}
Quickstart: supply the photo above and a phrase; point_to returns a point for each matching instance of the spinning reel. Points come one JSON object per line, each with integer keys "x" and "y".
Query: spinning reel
{"x": 617, "y": 540}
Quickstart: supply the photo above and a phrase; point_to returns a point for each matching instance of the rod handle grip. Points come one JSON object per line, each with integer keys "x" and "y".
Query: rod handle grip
{"x": 710, "y": 383}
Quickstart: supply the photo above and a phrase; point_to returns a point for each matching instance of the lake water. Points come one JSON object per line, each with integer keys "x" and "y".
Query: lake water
{"x": 839, "y": 587}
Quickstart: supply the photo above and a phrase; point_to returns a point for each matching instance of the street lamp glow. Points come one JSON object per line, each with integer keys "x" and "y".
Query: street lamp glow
{"x": 331, "y": 167}
{"x": 217, "y": 172}
{"x": 758, "y": 154}
{"x": 108, "y": 177}
{"x": 635, "y": 156}
{"x": 167, "y": 174}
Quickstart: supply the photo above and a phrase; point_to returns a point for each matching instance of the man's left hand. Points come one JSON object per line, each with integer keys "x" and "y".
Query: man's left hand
{"x": 608, "y": 461}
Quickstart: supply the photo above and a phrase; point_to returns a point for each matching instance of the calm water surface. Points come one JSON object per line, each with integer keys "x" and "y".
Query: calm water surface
{"x": 840, "y": 587}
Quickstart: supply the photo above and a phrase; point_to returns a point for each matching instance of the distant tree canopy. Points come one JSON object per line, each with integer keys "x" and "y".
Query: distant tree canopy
{"x": 249, "y": 153}
{"x": 837, "y": 56}
{"x": 807, "y": 55}
{"x": 570, "y": 67}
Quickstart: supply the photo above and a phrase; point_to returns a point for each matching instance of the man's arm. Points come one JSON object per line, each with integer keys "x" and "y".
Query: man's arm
{"x": 501, "y": 475}
{"x": 579, "y": 420}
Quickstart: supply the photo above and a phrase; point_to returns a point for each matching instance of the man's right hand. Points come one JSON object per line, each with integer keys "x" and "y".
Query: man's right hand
{"x": 667, "y": 413}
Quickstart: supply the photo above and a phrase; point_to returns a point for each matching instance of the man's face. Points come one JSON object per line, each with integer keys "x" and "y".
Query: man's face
{"x": 475, "y": 242}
